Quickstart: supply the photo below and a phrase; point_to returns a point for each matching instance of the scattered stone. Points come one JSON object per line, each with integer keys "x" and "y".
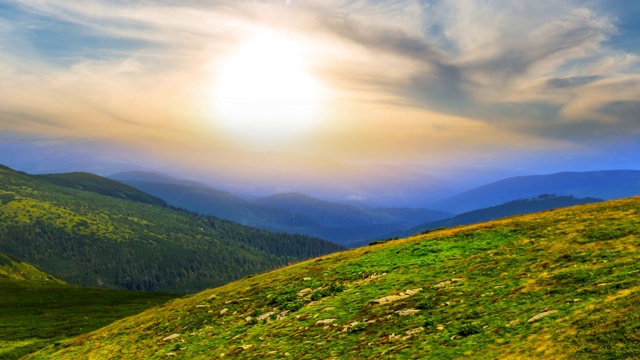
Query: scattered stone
{"x": 304, "y": 292}
{"x": 214, "y": 296}
{"x": 320, "y": 343}
{"x": 603, "y": 284}
{"x": 393, "y": 298}
{"x": 240, "y": 349}
{"x": 541, "y": 315}
{"x": 223, "y": 311}
{"x": 513, "y": 323}
{"x": 415, "y": 331}
{"x": 306, "y": 279}
{"x": 171, "y": 337}
{"x": 453, "y": 337}
{"x": 327, "y": 309}
{"x": 283, "y": 314}
{"x": 407, "y": 312}
{"x": 440, "y": 327}
{"x": 171, "y": 354}
{"x": 248, "y": 318}
{"x": 325, "y": 322}
{"x": 202, "y": 306}
{"x": 413, "y": 291}
{"x": 265, "y": 316}
{"x": 447, "y": 282}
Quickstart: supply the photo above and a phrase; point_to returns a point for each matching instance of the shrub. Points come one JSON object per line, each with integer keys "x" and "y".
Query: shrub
{"x": 469, "y": 329}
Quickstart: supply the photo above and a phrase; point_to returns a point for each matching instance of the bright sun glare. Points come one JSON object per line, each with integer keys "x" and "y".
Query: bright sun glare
{"x": 265, "y": 93}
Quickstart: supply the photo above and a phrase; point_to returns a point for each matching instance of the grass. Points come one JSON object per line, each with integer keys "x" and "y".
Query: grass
{"x": 35, "y": 314}
{"x": 559, "y": 284}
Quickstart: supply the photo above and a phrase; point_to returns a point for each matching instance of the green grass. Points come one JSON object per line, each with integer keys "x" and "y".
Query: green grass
{"x": 560, "y": 284}
{"x": 35, "y": 314}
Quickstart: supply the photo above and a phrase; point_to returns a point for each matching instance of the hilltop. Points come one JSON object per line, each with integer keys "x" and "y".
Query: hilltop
{"x": 88, "y": 230}
{"x": 606, "y": 184}
{"x": 511, "y": 208}
{"x": 558, "y": 284}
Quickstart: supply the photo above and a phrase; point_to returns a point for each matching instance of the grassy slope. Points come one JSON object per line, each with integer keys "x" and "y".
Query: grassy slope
{"x": 481, "y": 286}
{"x": 35, "y": 313}
{"x": 14, "y": 269}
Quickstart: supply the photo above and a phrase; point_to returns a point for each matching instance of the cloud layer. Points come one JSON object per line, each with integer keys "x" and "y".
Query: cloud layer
{"x": 410, "y": 83}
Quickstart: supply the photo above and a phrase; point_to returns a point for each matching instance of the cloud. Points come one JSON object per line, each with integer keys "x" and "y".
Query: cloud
{"x": 407, "y": 81}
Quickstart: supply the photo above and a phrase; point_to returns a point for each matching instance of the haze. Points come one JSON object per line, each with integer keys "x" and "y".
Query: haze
{"x": 393, "y": 102}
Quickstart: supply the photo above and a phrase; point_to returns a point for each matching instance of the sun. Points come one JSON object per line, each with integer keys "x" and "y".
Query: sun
{"x": 265, "y": 92}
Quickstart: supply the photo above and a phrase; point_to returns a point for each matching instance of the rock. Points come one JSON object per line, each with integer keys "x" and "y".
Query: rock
{"x": 393, "y": 298}
{"x": 214, "y": 296}
{"x": 304, "y": 292}
{"x": 265, "y": 316}
{"x": 248, "y": 318}
{"x": 324, "y": 322}
{"x": 413, "y": 291}
{"x": 201, "y": 306}
{"x": 171, "y": 354}
{"x": 223, "y": 311}
{"x": 513, "y": 323}
{"x": 541, "y": 315}
{"x": 283, "y": 314}
{"x": 407, "y": 312}
{"x": 306, "y": 279}
{"x": 327, "y": 309}
{"x": 414, "y": 331}
{"x": 440, "y": 327}
{"x": 240, "y": 349}
{"x": 171, "y": 337}
{"x": 447, "y": 282}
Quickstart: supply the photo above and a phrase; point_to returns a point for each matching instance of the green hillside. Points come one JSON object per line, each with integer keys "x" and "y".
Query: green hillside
{"x": 559, "y": 284}
{"x": 100, "y": 185}
{"x": 34, "y": 314}
{"x": 86, "y": 238}
{"x": 14, "y": 269}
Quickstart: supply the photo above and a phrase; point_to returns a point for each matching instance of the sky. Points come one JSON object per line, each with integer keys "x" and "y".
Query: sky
{"x": 381, "y": 101}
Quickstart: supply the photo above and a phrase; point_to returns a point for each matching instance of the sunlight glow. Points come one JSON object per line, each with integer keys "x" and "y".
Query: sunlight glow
{"x": 265, "y": 92}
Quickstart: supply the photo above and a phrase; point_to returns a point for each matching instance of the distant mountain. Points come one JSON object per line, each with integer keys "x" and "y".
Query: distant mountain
{"x": 516, "y": 207}
{"x": 606, "y": 185}
{"x": 86, "y": 238}
{"x": 154, "y": 177}
{"x": 296, "y": 213}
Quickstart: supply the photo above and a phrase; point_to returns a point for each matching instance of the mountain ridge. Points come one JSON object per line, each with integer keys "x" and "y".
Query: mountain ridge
{"x": 87, "y": 238}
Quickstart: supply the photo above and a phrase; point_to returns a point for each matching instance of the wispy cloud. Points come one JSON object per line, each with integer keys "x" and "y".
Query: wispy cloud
{"x": 408, "y": 81}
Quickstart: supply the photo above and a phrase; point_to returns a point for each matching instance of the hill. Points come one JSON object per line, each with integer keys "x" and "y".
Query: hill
{"x": 289, "y": 212}
{"x": 605, "y": 185}
{"x": 100, "y": 185}
{"x": 515, "y": 207}
{"x": 14, "y": 269}
{"x": 86, "y": 238}
{"x": 558, "y": 284}
{"x": 35, "y": 313}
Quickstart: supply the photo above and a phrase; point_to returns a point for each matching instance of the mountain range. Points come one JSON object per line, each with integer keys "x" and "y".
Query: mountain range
{"x": 93, "y": 231}
{"x": 351, "y": 225}
{"x": 344, "y": 224}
